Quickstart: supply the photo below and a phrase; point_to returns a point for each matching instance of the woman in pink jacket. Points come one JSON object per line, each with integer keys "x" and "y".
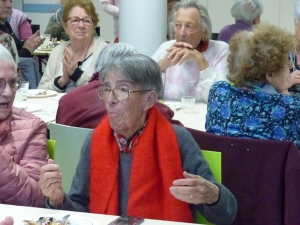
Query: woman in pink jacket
{"x": 22, "y": 143}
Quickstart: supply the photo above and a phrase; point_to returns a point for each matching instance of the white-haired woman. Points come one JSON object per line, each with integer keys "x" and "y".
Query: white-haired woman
{"x": 246, "y": 14}
{"x": 192, "y": 62}
{"x": 23, "y": 142}
{"x": 135, "y": 162}
{"x": 294, "y": 56}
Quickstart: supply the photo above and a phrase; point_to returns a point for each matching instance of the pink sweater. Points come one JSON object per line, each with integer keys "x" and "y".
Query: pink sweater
{"x": 22, "y": 154}
{"x": 20, "y": 24}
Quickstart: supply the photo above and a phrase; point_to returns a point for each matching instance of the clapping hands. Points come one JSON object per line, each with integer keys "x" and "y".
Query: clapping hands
{"x": 34, "y": 42}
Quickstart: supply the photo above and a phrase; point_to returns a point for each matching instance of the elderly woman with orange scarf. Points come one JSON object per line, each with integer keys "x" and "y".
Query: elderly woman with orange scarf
{"x": 135, "y": 162}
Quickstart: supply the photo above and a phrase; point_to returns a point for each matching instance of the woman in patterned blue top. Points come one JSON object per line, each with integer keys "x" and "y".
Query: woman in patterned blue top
{"x": 256, "y": 104}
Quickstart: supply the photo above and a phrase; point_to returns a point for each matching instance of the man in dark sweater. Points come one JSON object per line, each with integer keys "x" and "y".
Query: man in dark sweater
{"x": 25, "y": 48}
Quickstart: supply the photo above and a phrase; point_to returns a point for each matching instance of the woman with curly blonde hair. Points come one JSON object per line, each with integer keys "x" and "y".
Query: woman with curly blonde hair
{"x": 256, "y": 104}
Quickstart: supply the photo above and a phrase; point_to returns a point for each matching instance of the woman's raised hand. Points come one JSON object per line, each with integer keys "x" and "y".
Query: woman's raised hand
{"x": 51, "y": 184}
{"x": 294, "y": 78}
{"x": 69, "y": 62}
{"x": 33, "y": 42}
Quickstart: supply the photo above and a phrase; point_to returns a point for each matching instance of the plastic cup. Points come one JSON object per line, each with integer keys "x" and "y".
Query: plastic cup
{"x": 47, "y": 40}
{"x": 47, "y": 37}
{"x": 18, "y": 96}
{"x": 188, "y": 103}
{"x": 24, "y": 89}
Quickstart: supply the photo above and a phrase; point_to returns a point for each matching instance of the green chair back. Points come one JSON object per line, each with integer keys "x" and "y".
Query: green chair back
{"x": 214, "y": 159}
{"x": 69, "y": 141}
{"x": 51, "y": 145}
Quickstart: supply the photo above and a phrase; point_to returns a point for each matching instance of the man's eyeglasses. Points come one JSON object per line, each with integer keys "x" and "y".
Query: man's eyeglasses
{"x": 14, "y": 84}
{"x": 120, "y": 93}
{"x": 87, "y": 21}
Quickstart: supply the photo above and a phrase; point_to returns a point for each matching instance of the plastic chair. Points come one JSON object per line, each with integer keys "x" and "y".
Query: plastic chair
{"x": 51, "y": 145}
{"x": 69, "y": 141}
{"x": 214, "y": 159}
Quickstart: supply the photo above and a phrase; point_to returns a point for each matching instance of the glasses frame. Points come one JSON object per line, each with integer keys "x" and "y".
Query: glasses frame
{"x": 14, "y": 89}
{"x": 129, "y": 92}
{"x": 80, "y": 20}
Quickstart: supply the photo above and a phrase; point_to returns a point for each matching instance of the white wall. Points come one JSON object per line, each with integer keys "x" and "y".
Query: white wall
{"x": 278, "y": 12}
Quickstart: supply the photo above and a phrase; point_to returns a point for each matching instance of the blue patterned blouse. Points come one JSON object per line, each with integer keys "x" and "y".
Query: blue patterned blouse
{"x": 236, "y": 112}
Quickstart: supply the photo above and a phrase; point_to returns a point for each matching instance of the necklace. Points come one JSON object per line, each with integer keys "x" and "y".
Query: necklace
{"x": 85, "y": 54}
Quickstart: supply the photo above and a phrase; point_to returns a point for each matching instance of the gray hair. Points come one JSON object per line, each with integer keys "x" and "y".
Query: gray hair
{"x": 204, "y": 19}
{"x": 6, "y": 57}
{"x": 297, "y": 11}
{"x": 111, "y": 51}
{"x": 137, "y": 68}
{"x": 247, "y": 10}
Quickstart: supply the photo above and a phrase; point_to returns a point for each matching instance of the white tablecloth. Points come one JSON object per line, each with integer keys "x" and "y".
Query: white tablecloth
{"x": 48, "y": 107}
{"x": 195, "y": 120}
{"x": 20, "y": 213}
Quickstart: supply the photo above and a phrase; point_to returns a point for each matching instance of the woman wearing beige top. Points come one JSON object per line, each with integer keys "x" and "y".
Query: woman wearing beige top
{"x": 71, "y": 63}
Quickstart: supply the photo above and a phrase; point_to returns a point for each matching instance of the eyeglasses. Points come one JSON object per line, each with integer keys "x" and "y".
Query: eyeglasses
{"x": 14, "y": 83}
{"x": 87, "y": 21}
{"x": 120, "y": 93}
{"x": 189, "y": 28}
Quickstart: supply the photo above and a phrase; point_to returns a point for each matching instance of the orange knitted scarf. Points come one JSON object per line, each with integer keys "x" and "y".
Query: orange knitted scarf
{"x": 156, "y": 164}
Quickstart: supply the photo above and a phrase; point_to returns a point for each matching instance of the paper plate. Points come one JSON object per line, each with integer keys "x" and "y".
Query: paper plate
{"x": 72, "y": 220}
{"x": 40, "y": 93}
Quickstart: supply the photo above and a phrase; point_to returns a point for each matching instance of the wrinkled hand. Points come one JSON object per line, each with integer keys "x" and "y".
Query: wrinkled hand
{"x": 195, "y": 190}
{"x": 65, "y": 79}
{"x": 69, "y": 66}
{"x": 69, "y": 62}
{"x": 180, "y": 52}
{"x": 51, "y": 184}
{"x": 294, "y": 78}
{"x": 7, "y": 221}
{"x": 33, "y": 42}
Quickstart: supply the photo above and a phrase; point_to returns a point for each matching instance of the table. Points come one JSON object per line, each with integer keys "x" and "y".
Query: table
{"x": 43, "y": 56}
{"x": 21, "y": 212}
{"x": 49, "y": 103}
{"x": 195, "y": 120}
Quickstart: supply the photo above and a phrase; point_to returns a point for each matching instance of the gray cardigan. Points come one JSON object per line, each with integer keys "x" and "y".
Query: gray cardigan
{"x": 222, "y": 212}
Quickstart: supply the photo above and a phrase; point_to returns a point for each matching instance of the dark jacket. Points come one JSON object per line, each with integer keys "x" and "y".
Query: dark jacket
{"x": 23, "y": 52}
